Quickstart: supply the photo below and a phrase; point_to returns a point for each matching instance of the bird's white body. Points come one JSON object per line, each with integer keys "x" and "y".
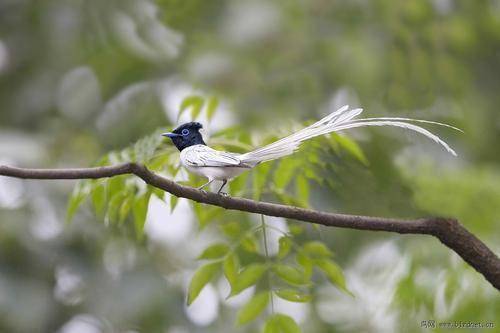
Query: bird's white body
{"x": 220, "y": 165}
{"x": 217, "y": 173}
{"x": 227, "y": 172}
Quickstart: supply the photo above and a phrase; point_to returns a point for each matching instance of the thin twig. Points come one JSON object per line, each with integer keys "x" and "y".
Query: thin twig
{"x": 266, "y": 251}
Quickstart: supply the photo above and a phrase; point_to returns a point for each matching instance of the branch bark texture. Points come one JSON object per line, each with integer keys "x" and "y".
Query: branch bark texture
{"x": 449, "y": 231}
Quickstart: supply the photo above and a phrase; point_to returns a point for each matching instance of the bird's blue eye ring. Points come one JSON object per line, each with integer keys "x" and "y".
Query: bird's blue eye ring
{"x": 185, "y": 132}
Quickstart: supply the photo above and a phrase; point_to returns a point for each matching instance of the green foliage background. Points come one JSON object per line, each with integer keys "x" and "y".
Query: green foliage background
{"x": 80, "y": 80}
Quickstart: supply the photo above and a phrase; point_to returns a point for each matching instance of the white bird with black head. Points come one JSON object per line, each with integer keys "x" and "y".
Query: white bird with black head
{"x": 213, "y": 164}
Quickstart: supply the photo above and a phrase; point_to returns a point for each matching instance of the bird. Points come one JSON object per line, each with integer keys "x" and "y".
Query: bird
{"x": 223, "y": 166}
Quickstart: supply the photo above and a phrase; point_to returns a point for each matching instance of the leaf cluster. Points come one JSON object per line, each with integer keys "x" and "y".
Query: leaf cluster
{"x": 292, "y": 274}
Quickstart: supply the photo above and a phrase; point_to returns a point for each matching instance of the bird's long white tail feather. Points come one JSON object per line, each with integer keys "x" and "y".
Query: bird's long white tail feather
{"x": 411, "y": 120}
{"x": 398, "y": 124}
{"x": 338, "y": 120}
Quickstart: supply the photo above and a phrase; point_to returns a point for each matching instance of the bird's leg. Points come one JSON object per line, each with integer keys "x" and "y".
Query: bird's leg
{"x": 224, "y": 182}
{"x": 206, "y": 184}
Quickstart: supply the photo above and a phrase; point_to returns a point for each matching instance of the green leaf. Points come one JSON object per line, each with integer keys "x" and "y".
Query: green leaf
{"x": 103, "y": 161}
{"x": 285, "y": 244}
{"x": 239, "y": 185}
{"x": 280, "y": 323}
{"x": 253, "y": 308}
{"x": 174, "y": 200}
{"x": 259, "y": 179}
{"x": 295, "y": 229}
{"x": 214, "y": 251}
{"x": 213, "y": 103}
{"x": 287, "y": 324}
{"x": 195, "y": 103}
{"x": 288, "y": 199}
{"x": 249, "y": 244}
{"x": 248, "y": 277}
{"x": 160, "y": 194}
{"x": 79, "y": 195}
{"x": 230, "y": 267}
{"x": 306, "y": 263}
{"x": 231, "y": 229}
{"x": 293, "y": 295}
{"x": 271, "y": 325}
{"x": 159, "y": 162}
{"x": 74, "y": 203}
{"x": 140, "y": 211}
{"x": 98, "y": 197}
{"x": 115, "y": 185}
{"x": 352, "y": 147}
{"x": 317, "y": 249}
{"x": 114, "y": 205}
{"x": 334, "y": 273}
{"x": 200, "y": 279}
{"x": 285, "y": 172}
{"x": 302, "y": 189}
{"x": 125, "y": 209}
{"x": 206, "y": 214}
{"x": 312, "y": 175}
{"x": 290, "y": 274}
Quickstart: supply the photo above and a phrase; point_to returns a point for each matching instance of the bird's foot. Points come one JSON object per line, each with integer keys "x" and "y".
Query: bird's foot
{"x": 224, "y": 194}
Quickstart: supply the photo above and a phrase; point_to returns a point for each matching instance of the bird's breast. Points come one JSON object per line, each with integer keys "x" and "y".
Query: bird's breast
{"x": 218, "y": 173}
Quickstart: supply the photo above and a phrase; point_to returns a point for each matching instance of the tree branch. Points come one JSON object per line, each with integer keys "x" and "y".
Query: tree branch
{"x": 449, "y": 231}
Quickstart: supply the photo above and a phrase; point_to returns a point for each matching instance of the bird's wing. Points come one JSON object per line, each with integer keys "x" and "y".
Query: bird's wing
{"x": 204, "y": 156}
{"x": 341, "y": 119}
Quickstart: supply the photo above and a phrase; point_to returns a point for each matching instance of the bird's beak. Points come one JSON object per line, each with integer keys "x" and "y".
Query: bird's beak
{"x": 170, "y": 135}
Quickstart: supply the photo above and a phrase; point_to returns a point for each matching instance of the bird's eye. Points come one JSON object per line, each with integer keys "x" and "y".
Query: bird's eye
{"x": 185, "y": 132}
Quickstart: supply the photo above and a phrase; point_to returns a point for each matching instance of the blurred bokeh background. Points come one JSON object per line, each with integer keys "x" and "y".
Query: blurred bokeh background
{"x": 79, "y": 78}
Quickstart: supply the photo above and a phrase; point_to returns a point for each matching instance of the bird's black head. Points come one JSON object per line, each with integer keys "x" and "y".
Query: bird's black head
{"x": 186, "y": 135}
